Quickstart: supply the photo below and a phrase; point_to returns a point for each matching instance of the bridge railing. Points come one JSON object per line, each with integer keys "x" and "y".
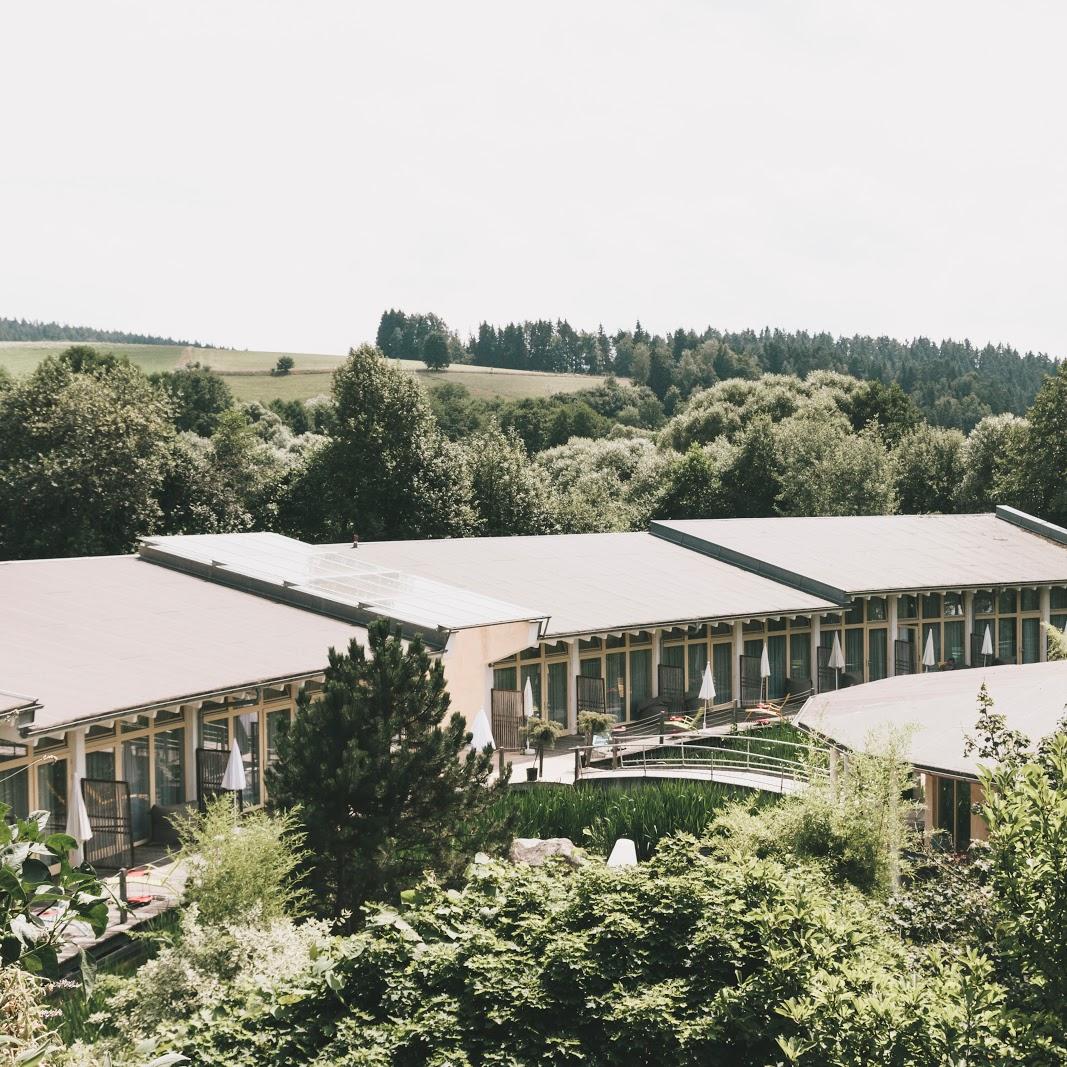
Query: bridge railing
{"x": 783, "y": 760}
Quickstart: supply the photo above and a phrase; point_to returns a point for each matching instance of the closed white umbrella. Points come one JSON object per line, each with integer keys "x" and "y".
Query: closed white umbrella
{"x": 234, "y": 778}
{"x": 707, "y": 685}
{"x": 482, "y": 732}
{"x": 78, "y": 825}
{"x": 764, "y": 666}
{"x": 929, "y": 660}
{"x": 837, "y": 659}
{"x": 527, "y": 700}
{"x": 987, "y": 643}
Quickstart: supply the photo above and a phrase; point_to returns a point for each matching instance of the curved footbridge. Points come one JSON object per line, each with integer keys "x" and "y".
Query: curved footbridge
{"x": 743, "y": 760}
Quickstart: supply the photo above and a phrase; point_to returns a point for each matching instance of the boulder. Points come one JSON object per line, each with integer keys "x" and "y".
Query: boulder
{"x": 535, "y": 850}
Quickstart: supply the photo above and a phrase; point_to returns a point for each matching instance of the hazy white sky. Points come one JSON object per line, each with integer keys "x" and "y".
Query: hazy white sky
{"x": 272, "y": 175}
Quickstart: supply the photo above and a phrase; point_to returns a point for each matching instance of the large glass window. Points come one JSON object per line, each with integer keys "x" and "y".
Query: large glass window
{"x": 854, "y": 653}
{"x": 557, "y": 692}
{"x": 532, "y": 673}
{"x": 640, "y": 679}
{"x": 615, "y": 664}
{"x": 954, "y": 644}
{"x": 1031, "y": 640}
{"x": 52, "y": 793}
{"x": 246, "y": 731}
{"x": 722, "y": 672}
{"x": 504, "y": 678}
{"x": 800, "y": 660}
{"x": 1006, "y": 640}
{"x": 698, "y": 660}
{"x": 169, "y": 748}
{"x": 101, "y": 764}
{"x": 953, "y": 815}
{"x": 776, "y": 648}
{"x": 876, "y": 654}
{"x": 135, "y": 772}
{"x": 277, "y": 723}
{"x": 14, "y": 784}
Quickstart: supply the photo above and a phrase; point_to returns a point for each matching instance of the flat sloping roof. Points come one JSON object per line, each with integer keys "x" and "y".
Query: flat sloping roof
{"x": 596, "y": 582}
{"x": 942, "y": 709}
{"x": 13, "y": 702}
{"x": 876, "y": 553}
{"x": 336, "y": 580}
{"x": 111, "y": 634}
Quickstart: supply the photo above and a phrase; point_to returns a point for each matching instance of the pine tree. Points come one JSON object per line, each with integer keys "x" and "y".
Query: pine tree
{"x": 383, "y": 786}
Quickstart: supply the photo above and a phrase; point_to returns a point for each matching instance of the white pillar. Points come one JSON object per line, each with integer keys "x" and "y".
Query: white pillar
{"x": 738, "y": 646}
{"x": 574, "y": 668}
{"x": 189, "y": 717}
{"x": 657, "y": 641}
{"x": 968, "y": 624}
{"x": 76, "y": 744}
{"x": 1045, "y": 606}
{"x": 816, "y": 640}
{"x": 892, "y": 632}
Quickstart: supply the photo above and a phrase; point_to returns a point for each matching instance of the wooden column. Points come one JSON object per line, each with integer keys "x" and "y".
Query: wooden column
{"x": 657, "y": 642}
{"x": 189, "y": 717}
{"x": 574, "y": 668}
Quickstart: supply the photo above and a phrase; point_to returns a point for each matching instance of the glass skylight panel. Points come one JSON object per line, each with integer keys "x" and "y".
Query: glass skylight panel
{"x": 339, "y": 576}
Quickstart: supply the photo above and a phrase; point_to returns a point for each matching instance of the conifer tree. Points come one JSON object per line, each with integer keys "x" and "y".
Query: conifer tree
{"x": 381, "y": 776}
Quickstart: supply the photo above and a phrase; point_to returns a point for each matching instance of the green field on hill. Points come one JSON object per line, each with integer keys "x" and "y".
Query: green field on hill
{"x": 248, "y": 373}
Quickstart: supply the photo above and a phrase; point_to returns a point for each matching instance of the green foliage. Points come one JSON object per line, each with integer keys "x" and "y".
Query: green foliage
{"x": 386, "y": 470}
{"x": 594, "y": 722}
{"x": 198, "y": 397}
{"x": 381, "y": 785}
{"x": 242, "y": 865}
{"x": 82, "y": 459}
{"x": 1041, "y": 459}
{"x": 1057, "y": 642}
{"x": 852, "y": 820}
{"x": 928, "y": 464}
{"x": 510, "y": 495}
{"x": 596, "y": 817}
{"x": 284, "y": 365}
{"x": 36, "y": 875}
{"x": 435, "y": 352}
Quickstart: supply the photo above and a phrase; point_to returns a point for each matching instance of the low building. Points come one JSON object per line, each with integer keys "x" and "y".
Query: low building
{"x": 936, "y": 713}
{"x": 137, "y": 668}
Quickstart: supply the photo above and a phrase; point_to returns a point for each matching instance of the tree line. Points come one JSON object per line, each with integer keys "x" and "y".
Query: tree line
{"x": 95, "y": 454}
{"x": 953, "y": 383}
{"x": 34, "y": 330}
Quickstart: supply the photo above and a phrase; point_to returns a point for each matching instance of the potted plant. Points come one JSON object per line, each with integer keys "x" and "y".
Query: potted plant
{"x": 591, "y": 723}
{"x": 541, "y": 733}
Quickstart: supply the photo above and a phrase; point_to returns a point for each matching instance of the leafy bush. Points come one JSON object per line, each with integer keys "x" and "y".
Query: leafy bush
{"x": 240, "y": 865}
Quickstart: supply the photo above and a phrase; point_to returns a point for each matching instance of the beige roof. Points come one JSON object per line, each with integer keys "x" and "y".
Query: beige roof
{"x": 876, "y": 553}
{"x": 12, "y": 702}
{"x": 92, "y": 636}
{"x": 942, "y": 709}
{"x": 596, "y": 582}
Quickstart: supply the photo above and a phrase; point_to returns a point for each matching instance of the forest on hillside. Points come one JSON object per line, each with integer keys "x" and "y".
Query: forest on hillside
{"x": 32, "y": 330}
{"x": 953, "y": 383}
{"x": 95, "y": 454}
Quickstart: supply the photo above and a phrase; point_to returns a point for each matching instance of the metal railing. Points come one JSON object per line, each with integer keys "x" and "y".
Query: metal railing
{"x": 741, "y": 753}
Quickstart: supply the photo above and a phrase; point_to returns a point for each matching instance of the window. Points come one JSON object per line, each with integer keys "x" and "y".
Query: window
{"x": 876, "y": 654}
{"x": 504, "y": 678}
{"x": 277, "y": 723}
{"x": 557, "y": 692}
{"x": 169, "y": 747}
{"x": 1031, "y": 640}
{"x": 15, "y": 784}
{"x": 698, "y": 660}
{"x": 876, "y": 609}
{"x": 953, "y": 815}
{"x": 52, "y": 793}
{"x": 1029, "y": 600}
{"x": 722, "y": 672}
{"x": 640, "y": 680}
{"x": 135, "y": 772}
{"x": 615, "y": 664}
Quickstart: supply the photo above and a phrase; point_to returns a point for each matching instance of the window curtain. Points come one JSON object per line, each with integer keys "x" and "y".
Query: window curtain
{"x": 722, "y": 671}
{"x": 777, "y": 662}
{"x": 15, "y": 791}
{"x": 935, "y": 629}
{"x": 800, "y": 657}
{"x": 1006, "y": 640}
{"x": 532, "y": 672}
{"x": 52, "y": 793}
{"x": 698, "y": 660}
{"x": 954, "y": 638}
{"x": 640, "y": 679}
{"x": 135, "y": 771}
{"x": 615, "y": 664}
{"x": 1031, "y": 640}
{"x": 557, "y": 692}
{"x": 100, "y": 765}
{"x": 170, "y": 764}
{"x": 853, "y": 651}
{"x": 876, "y": 654}
{"x": 504, "y": 678}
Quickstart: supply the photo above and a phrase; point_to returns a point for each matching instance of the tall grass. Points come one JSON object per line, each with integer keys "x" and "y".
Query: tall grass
{"x": 595, "y": 816}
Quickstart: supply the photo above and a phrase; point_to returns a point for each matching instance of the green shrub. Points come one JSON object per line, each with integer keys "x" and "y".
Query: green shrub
{"x": 240, "y": 865}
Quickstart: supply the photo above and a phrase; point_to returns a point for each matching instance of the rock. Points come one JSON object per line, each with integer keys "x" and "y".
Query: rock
{"x": 535, "y": 850}
{"x": 624, "y": 854}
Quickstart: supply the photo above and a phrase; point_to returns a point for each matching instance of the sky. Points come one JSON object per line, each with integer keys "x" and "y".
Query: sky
{"x": 271, "y": 175}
